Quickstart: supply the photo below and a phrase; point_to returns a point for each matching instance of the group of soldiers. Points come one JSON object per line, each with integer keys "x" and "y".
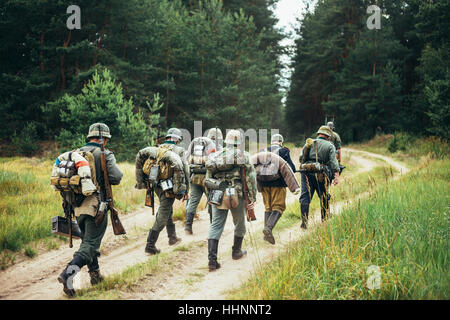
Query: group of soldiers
{"x": 224, "y": 163}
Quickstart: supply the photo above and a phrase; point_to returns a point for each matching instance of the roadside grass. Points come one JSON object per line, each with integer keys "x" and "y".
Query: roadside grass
{"x": 406, "y": 148}
{"x": 402, "y": 229}
{"x": 27, "y": 202}
{"x": 111, "y": 286}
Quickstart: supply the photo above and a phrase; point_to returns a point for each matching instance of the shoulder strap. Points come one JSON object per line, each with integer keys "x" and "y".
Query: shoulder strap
{"x": 316, "y": 142}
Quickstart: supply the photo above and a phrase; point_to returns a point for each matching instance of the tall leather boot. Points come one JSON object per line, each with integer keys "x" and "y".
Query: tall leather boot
{"x": 94, "y": 272}
{"x": 213, "y": 246}
{"x": 237, "y": 253}
{"x": 272, "y": 221}
{"x": 266, "y": 218}
{"x": 325, "y": 208}
{"x": 189, "y": 221}
{"x": 304, "y": 207}
{"x": 150, "y": 248}
{"x": 171, "y": 233}
{"x": 72, "y": 268}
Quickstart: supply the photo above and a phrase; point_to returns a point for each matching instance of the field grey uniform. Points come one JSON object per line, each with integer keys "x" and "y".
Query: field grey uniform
{"x": 233, "y": 176}
{"x": 165, "y": 209}
{"x": 326, "y": 155}
{"x": 91, "y": 234}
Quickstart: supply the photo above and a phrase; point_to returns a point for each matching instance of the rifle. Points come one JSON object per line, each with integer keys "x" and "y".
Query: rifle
{"x": 150, "y": 195}
{"x": 250, "y": 212}
{"x": 115, "y": 221}
{"x": 68, "y": 212}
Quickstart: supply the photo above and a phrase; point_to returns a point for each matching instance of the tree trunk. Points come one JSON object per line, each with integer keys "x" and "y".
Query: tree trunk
{"x": 124, "y": 52}
{"x": 63, "y": 57}
{"x": 167, "y": 84}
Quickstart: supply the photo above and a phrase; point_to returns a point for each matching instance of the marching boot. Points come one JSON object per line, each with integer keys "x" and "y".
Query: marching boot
{"x": 272, "y": 221}
{"x": 72, "y": 268}
{"x": 171, "y": 233}
{"x": 150, "y": 248}
{"x": 213, "y": 246}
{"x": 189, "y": 221}
{"x": 237, "y": 253}
{"x": 94, "y": 272}
{"x": 266, "y": 218}
{"x": 305, "y": 212}
{"x": 96, "y": 277}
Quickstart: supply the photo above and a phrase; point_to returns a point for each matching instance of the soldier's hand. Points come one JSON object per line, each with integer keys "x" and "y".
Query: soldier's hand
{"x": 336, "y": 178}
{"x": 186, "y": 196}
{"x": 251, "y": 206}
{"x": 297, "y": 192}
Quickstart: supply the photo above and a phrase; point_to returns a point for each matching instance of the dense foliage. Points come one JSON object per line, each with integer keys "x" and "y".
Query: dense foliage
{"x": 371, "y": 81}
{"x": 207, "y": 60}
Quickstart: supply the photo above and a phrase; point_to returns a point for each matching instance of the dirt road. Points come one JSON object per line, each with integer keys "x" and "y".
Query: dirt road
{"x": 188, "y": 278}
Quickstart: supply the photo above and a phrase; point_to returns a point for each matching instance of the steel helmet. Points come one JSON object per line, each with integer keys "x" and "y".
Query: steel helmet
{"x": 212, "y": 134}
{"x": 277, "y": 138}
{"x": 94, "y": 130}
{"x": 331, "y": 125}
{"x": 174, "y": 133}
{"x": 325, "y": 130}
{"x": 233, "y": 137}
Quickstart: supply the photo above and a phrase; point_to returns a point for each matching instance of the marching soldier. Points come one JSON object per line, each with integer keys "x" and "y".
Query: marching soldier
{"x": 316, "y": 177}
{"x": 274, "y": 192}
{"x": 229, "y": 169}
{"x": 166, "y": 198}
{"x": 206, "y": 147}
{"x": 335, "y": 139}
{"x": 91, "y": 233}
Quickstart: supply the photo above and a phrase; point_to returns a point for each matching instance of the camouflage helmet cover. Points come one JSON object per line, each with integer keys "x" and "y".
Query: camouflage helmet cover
{"x": 94, "y": 130}
{"x": 233, "y": 137}
{"x": 174, "y": 133}
{"x": 212, "y": 134}
{"x": 325, "y": 130}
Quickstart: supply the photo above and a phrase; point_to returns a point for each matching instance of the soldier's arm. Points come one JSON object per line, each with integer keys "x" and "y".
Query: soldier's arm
{"x": 333, "y": 161}
{"x": 114, "y": 173}
{"x": 287, "y": 157}
{"x": 250, "y": 173}
{"x": 140, "y": 183}
{"x": 186, "y": 169}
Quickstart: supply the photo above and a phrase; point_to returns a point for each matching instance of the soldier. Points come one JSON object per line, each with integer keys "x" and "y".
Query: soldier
{"x": 322, "y": 151}
{"x": 227, "y": 167}
{"x": 166, "y": 200}
{"x": 335, "y": 140}
{"x": 274, "y": 192}
{"x": 199, "y": 149}
{"x": 92, "y": 234}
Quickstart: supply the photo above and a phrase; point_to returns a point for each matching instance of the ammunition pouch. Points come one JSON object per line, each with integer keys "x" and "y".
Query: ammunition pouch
{"x": 216, "y": 196}
{"x": 198, "y": 179}
{"x": 67, "y": 184}
{"x": 214, "y": 184}
{"x": 230, "y": 199}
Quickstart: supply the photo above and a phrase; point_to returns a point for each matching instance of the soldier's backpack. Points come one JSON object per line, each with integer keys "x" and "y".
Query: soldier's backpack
{"x": 267, "y": 167}
{"x": 157, "y": 168}
{"x": 74, "y": 171}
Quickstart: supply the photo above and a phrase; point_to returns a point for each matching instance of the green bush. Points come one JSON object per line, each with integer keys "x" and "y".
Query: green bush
{"x": 102, "y": 100}
{"x": 26, "y": 140}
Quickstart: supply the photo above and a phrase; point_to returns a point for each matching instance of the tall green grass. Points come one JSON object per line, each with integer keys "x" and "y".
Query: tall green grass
{"x": 27, "y": 201}
{"x": 403, "y": 229}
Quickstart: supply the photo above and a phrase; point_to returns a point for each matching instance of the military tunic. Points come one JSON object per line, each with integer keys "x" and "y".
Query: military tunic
{"x": 91, "y": 234}
{"x": 219, "y": 216}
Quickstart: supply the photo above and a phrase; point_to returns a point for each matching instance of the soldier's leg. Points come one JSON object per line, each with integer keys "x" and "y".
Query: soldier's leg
{"x": 267, "y": 204}
{"x": 88, "y": 252}
{"x": 239, "y": 215}
{"x": 219, "y": 218}
{"x": 171, "y": 232}
{"x": 324, "y": 201}
{"x": 308, "y": 188}
{"x": 162, "y": 217}
{"x": 278, "y": 198}
{"x": 191, "y": 207}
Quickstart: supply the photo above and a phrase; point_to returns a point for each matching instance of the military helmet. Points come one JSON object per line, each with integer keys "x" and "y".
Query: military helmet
{"x": 94, "y": 130}
{"x": 174, "y": 133}
{"x": 233, "y": 137}
{"x": 277, "y": 138}
{"x": 212, "y": 134}
{"x": 325, "y": 130}
{"x": 331, "y": 125}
